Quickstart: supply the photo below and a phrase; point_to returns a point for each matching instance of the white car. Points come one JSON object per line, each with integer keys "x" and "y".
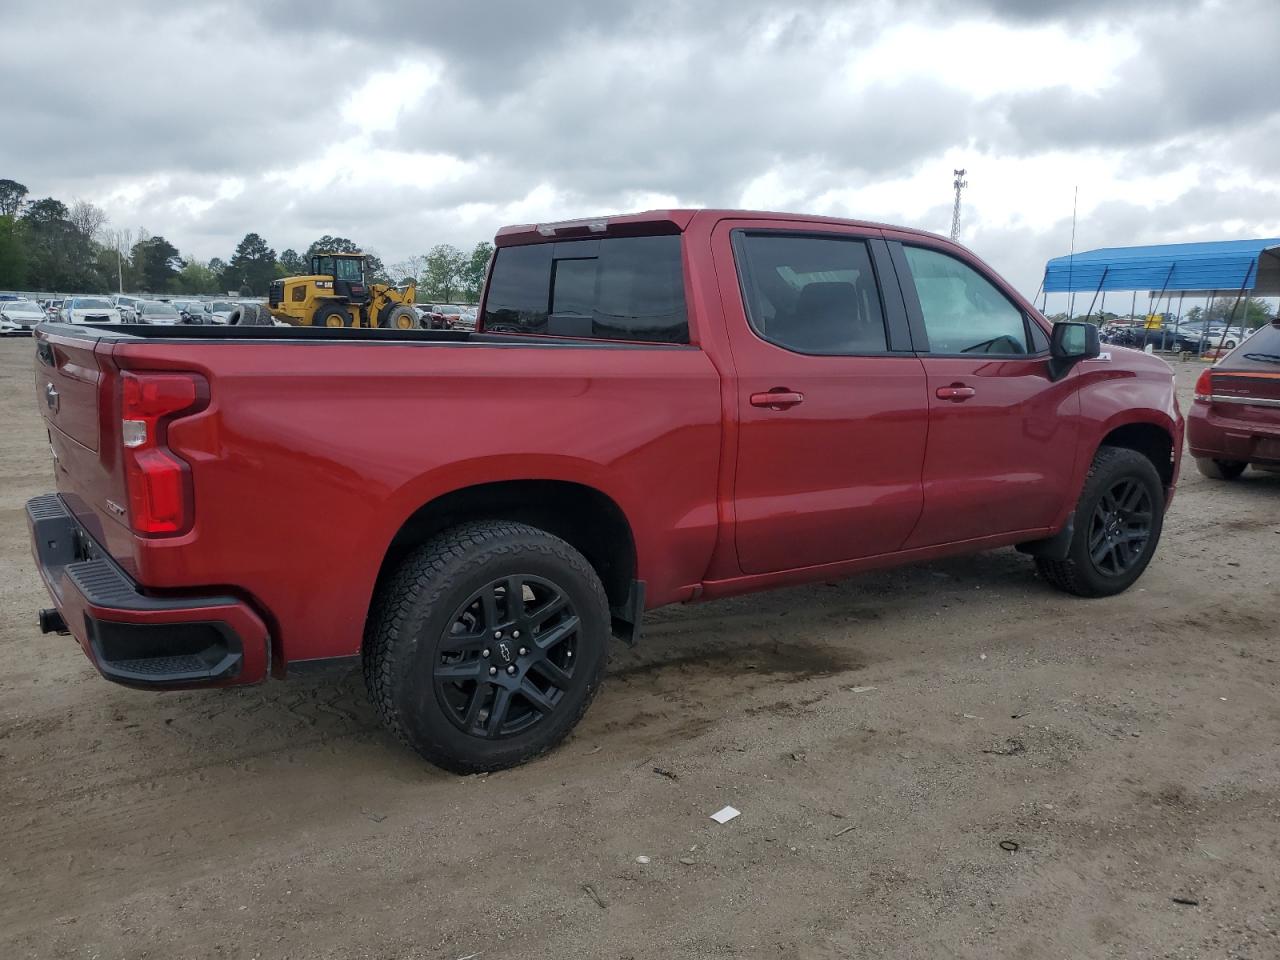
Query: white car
{"x": 128, "y": 307}
{"x": 19, "y": 316}
{"x": 155, "y": 311}
{"x": 89, "y": 310}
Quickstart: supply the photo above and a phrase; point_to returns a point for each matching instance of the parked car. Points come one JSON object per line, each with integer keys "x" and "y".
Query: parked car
{"x": 19, "y": 316}
{"x": 1198, "y": 339}
{"x": 129, "y": 307}
{"x": 158, "y": 312}
{"x": 90, "y": 310}
{"x": 683, "y": 405}
{"x": 52, "y": 308}
{"x": 220, "y": 310}
{"x": 1235, "y": 418}
{"x": 194, "y": 311}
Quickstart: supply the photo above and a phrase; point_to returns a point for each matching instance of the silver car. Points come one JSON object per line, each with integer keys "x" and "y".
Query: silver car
{"x": 158, "y": 312}
{"x": 19, "y": 316}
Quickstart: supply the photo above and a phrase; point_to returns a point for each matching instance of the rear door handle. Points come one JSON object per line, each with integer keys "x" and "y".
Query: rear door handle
{"x": 777, "y": 399}
{"x": 956, "y": 393}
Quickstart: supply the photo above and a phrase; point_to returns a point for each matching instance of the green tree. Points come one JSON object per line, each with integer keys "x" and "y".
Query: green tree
{"x": 474, "y": 269}
{"x": 292, "y": 265}
{"x": 374, "y": 271}
{"x": 157, "y": 263}
{"x": 442, "y": 272}
{"x": 196, "y": 277}
{"x": 328, "y": 244}
{"x": 252, "y": 267}
{"x": 59, "y": 257}
{"x": 13, "y": 253}
{"x": 12, "y": 194}
{"x": 1249, "y": 312}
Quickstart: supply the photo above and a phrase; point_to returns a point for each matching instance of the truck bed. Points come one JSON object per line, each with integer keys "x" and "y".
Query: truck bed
{"x": 195, "y": 333}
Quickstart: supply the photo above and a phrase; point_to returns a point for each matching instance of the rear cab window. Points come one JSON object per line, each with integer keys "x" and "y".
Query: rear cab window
{"x": 609, "y": 288}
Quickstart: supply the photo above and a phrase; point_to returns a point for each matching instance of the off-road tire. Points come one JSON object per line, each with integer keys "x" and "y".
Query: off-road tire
{"x": 415, "y": 606}
{"x": 1078, "y": 574}
{"x": 392, "y": 315}
{"x": 323, "y": 313}
{"x": 1220, "y": 469}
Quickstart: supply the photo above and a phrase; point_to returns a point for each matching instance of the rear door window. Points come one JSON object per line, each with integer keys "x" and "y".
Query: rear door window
{"x": 814, "y": 295}
{"x": 617, "y": 288}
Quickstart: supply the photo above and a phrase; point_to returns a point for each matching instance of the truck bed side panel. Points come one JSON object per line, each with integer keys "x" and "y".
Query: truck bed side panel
{"x": 311, "y": 456}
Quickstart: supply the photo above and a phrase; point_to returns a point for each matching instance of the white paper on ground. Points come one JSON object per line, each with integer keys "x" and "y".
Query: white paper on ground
{"x": 725, "y": 815}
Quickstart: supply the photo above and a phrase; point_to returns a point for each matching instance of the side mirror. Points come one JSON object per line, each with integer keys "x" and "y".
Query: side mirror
{"x": 1071, "y": 342}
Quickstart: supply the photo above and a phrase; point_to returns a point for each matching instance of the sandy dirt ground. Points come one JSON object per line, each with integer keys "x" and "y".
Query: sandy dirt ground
{"x": 886, "y": 739}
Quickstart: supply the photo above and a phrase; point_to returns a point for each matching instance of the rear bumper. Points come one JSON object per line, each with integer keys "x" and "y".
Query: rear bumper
{"x": 150, "y": 642}
{"x": 1240, "y": 432}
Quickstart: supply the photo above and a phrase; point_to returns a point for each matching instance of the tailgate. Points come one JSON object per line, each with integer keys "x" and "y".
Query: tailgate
{"x": 74, "y": 377}
{"x": 67, "y": 383}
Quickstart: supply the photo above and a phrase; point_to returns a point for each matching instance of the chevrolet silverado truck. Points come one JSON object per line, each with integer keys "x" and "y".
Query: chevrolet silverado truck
{"x": 655, "y": 408}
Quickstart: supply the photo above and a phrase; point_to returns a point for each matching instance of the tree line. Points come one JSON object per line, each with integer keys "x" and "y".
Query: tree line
{"x": 46, "y": 244}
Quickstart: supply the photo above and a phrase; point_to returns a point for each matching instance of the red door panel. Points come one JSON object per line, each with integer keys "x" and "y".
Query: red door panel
{"x": 1000, "y": 458}
{"x": 831, "y": 470}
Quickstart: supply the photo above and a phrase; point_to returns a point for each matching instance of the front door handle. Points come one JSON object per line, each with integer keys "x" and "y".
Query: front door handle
{"x": 956, "y": 393}
{"x": 777, "y": 399}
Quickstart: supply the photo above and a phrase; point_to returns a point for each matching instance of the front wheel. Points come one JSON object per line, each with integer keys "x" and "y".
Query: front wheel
{"x": 399, "y": 317}
{"x": 486, "y": 645}
{"x": 1117, "y": 525}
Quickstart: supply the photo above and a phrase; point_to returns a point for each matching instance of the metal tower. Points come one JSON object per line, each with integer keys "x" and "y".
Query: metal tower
{"x": 960, "y": 184}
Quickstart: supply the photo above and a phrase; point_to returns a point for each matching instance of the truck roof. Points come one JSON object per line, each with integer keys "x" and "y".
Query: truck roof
{"x": 666, "y": 221}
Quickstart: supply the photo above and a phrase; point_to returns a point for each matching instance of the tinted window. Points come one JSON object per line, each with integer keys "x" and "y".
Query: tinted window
{"x": 349, "y": 270}
{"x": 621, "y": 288}
{"x": 91, "y": 303}
{"x": 1039, "y": 339}
{"x": 812, "y": 294}
{"x": 963, "y": 311}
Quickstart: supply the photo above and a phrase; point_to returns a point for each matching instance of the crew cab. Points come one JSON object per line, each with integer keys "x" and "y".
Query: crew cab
{"x": 1234, "y": 420}
{"x": 655, "y": 408}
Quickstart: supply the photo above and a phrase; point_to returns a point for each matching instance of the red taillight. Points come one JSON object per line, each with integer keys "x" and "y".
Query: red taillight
{"x": 1204, "y": 385}
{"x": 157, "y": 480}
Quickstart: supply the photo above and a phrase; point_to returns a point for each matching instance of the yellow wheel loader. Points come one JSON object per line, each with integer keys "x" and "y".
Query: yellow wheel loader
{"x": 335, "y": 294}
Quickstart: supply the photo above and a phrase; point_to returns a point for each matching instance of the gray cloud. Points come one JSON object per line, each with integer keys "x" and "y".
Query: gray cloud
{"x": 602, "y": 102}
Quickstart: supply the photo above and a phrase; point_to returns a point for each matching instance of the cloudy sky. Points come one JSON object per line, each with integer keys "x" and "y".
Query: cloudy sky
{"x": 404, "y": 124}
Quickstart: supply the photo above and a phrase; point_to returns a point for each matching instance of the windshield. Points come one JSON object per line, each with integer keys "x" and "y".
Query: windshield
{"x": 91, "y": 303}
{"x": 159, "y": 310}
{"x": 220, "y": 306}
{"x": 19, "y": 306}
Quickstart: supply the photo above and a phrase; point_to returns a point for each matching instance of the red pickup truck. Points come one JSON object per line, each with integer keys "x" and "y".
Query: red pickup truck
{"x": 655, "y": 408}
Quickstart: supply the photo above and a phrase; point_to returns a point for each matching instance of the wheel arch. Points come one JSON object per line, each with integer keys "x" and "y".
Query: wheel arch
{"x": 1154, "y": 441}
{"x": 583, "y": 516}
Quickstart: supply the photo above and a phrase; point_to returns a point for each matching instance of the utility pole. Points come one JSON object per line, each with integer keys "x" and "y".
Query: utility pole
{"x": 960, "y": 184}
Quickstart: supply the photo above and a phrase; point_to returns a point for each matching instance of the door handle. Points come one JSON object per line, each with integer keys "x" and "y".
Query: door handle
{"x": 777, "y": 399}
{"x": 956, "y": 393}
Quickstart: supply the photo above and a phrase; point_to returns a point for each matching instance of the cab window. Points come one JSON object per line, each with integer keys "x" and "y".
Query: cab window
{"x": 964, "y": 313}
{"x": 349, "y": 269}
{"x": 814, "y": 295}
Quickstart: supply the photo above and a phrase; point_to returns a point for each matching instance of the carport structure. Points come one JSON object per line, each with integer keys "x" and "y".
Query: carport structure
{"x": 1225, "y": 267}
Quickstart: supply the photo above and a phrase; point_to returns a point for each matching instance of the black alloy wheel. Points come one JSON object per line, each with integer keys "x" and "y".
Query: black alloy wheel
{"x": 507, "y": 660}
{"x": 1120, "y": 527}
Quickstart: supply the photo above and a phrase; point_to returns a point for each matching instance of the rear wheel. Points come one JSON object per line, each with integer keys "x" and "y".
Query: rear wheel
{"x": 398, "y": 317}
{"x": 1117, "y": 525}
{"x": 486, "y": 645}
{"x": 331, "y": 315}
{"x": 1220, "y": 469}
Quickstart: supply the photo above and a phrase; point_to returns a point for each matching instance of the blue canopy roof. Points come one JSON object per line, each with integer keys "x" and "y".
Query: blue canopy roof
{"x": 1202, "y": 267}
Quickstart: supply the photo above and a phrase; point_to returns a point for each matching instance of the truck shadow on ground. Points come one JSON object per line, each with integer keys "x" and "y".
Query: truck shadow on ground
{"x": 694, "y": 664}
